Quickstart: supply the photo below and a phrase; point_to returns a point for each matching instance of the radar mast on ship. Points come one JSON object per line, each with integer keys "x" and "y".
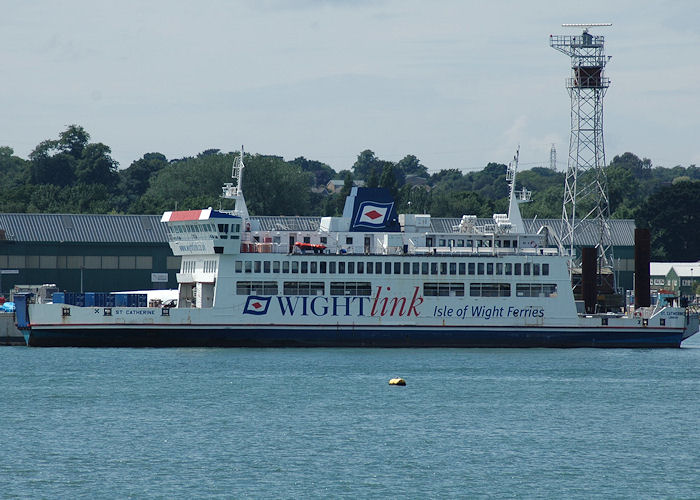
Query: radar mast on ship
{"x": 233, "y": 191}
{"x": 516, "y": 197}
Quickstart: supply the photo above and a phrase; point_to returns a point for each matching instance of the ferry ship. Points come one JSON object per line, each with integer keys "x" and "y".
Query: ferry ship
{"x": 370, "y": 278}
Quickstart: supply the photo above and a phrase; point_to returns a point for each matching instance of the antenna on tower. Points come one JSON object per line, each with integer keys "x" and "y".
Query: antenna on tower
{"x": 553, "y": 158}
{"x": 585, "y": 188}
{"x": 585, "y": 26}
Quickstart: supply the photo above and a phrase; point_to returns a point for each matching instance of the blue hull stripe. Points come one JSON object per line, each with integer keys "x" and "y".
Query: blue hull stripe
{"x": 349, "y": 337}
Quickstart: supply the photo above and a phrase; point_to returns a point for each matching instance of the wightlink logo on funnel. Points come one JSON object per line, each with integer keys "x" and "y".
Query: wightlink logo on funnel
{"x": 382, "y": 304}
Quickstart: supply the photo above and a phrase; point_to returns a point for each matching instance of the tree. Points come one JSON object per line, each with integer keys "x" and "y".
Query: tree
{"x": 672, "y": 215}
{"x": 373, "y": 180}
{"x": 623, "y": 189}
{"x": 73, "y": 140}
{"x": 410, "y": 165}
{"x": 46, "y": 198}
{"x": 182, "y": 182}
{"x": 320, "y": 172}
{"x": 637, "y": 167}
{"x": 137, "y": 177}
{"x": 14, "y": 177}
{"x": 413, "y": 199}
{"x": 13, "y": 169}
{"x": 456, "y": 204}
{"x": 208, "y": 152}
{"x": 388, "y": 179}
{"x": 366, "y": 165}
{"x": 446, "y": 177}
{"x": 546, "y": 203}
{"x": 491, "y": 181}
{"x": 57, "y": 169}
{"x": 96, "y": 166}
{"x": 273, "y": 186}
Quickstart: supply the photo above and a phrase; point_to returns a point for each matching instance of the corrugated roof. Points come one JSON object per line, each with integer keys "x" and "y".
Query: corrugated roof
{"x": 83, "y": 228}
{"x": 621, "y": 230}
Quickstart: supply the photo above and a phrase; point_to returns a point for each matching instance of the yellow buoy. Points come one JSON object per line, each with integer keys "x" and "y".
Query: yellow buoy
{"x": 397, "y": 381}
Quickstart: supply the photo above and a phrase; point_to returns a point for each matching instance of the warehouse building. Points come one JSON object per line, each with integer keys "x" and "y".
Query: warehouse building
{"x": 86, "y": 252}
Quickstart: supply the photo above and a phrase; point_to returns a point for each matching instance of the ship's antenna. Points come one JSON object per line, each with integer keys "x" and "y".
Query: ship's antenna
{"x": 237, "y": 172}
{"x": 235, "y": 192}
{"x": 516, "y": 198}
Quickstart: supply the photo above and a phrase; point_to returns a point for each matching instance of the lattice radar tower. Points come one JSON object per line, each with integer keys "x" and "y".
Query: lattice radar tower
{"x": 585, "y": 190}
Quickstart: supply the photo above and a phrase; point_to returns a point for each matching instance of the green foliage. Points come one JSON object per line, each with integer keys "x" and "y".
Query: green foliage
{"x": 389, "y": 180}
{"x": 273, "y": 186}
{"x": 539, "y": 178}
{"x": 57, "y": 169}
{"x": 71, "y": 175}
{"x": 672, "y": 215}
{"x": 413, "y": 199}
{"x": 14, "y": 175}
{"x": 367, "y": 165}
{"x": 135, "y": 180}
{"x": 545, "y": 204}
{"x": 623, "y": 189}
{"x": 96, "y": 166}
{"x": 73, "y": 141}
{"x": 320, "y": 172}
{"x": 373, "y": 180}
{"x": 185, "y": 184}
{"x": 638, "y": 168}
{"x": 457, "y": 203}
{"x": 410, "y": 165}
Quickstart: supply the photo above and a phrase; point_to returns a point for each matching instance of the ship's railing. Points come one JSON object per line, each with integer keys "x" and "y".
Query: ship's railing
{"x": 485, "y": 251}
{"x": 254, "y": 248}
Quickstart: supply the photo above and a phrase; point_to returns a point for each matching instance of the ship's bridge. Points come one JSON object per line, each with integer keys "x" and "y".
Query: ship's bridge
{"x": 197, "y": 232}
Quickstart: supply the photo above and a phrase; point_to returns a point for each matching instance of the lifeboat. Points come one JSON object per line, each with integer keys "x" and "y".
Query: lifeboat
{"x": 310, "y": 247}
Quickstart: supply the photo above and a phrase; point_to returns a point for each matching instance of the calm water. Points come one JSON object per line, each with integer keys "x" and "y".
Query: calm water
{"x": 319, "y": 423}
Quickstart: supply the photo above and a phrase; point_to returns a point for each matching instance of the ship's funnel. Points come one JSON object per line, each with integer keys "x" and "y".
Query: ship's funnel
{"x": 589, "y": 277}
{"x": 642, "y": 258}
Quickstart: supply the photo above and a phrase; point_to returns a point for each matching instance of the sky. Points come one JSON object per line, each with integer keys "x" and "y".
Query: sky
{"x": 456, "y": 83}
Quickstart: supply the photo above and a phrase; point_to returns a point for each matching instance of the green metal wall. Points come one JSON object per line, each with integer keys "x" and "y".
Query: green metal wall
{"x": 97, "y": 280}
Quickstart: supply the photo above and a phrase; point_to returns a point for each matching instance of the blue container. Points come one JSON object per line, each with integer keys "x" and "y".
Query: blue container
{"x": 109, "y": 300}
{"x": 21, "y": 316}
{"x": 79, "y": 300}
{"x": 99, "y": 299}
{"x": 59, "y": 298}
{"x": 137, "y": 300}
{"x": 89, "y": 299}
{"x": 70, "y": 298}
{"x": 121, "y": 299}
